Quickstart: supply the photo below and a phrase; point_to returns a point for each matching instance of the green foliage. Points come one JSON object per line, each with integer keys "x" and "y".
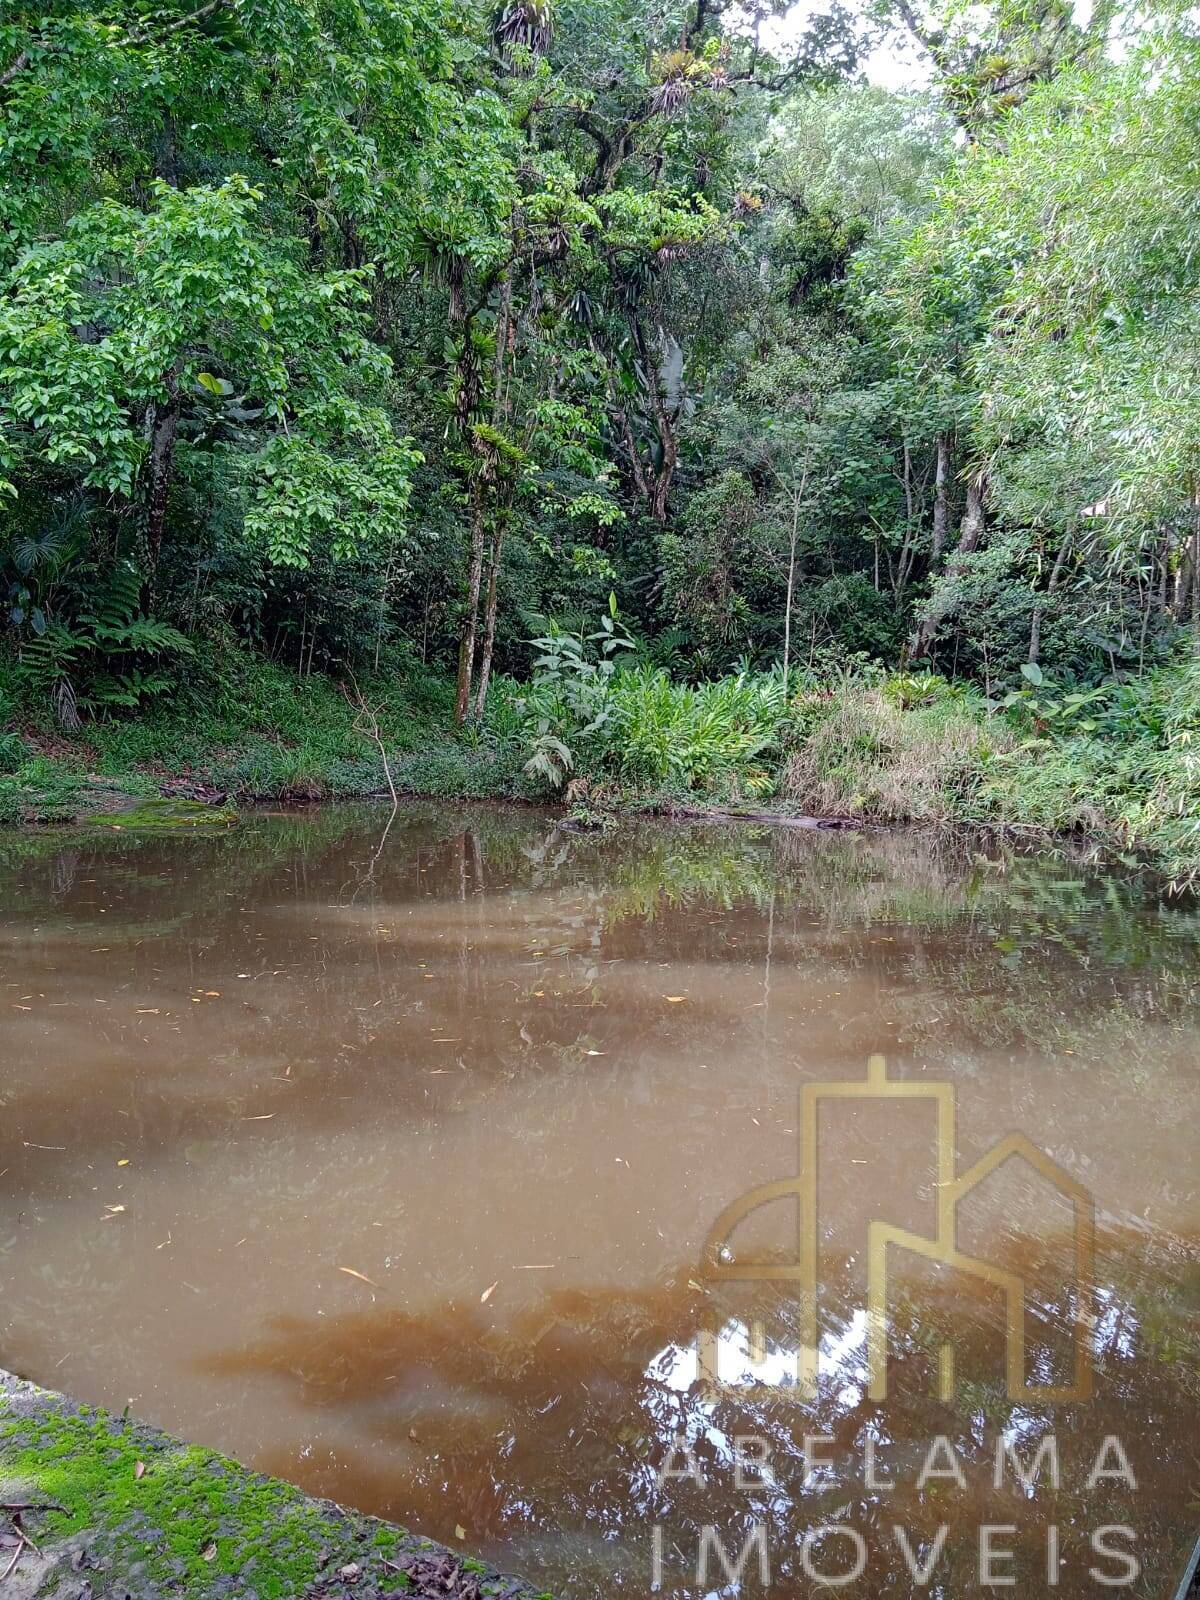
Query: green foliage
{"x": 586, "y": 714}
{"x": 718, "y": 738}
{"x": 349, "y": 336}
{"x": 908, "y": 689}
{"x": 40, "y": 790}
{"x": 12, "y": 753}
{"x": 570, "y": 700}
{"x": 1040, "y": 706}
{"x": 103, "y": 659}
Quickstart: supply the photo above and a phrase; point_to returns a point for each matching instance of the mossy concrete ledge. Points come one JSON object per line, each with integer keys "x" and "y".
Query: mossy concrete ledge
{"x": 104, "y": 1508}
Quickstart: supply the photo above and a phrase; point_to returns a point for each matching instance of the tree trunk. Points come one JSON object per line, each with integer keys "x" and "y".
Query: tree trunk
{"x": 791, "y": 589}
{"x": 489, "y": 619}
{"x": 973, "y": 522}
{"x": 971, "y": 531}
{"x": 164, "y": 426}
{"x": 503, "y": 318}
{"x": 941, "y": 496}
{"x": 466, "y": 649}
{"x": 467, "y": 403}
{"x": 662, "y": 482}
{"x": 658, "y": 479}
{"x": 1035, "y": 627}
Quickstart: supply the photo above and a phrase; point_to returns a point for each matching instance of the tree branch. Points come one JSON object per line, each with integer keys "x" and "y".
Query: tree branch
{"x": 43, "y": 46}
{"x": 17, "y": 67}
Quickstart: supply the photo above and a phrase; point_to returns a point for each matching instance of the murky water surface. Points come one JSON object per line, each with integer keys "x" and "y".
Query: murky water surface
{"x": 392, "y": 1169}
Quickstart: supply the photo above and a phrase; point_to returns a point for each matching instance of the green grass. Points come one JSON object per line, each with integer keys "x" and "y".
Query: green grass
{"x": 1131, "y": 779}
{"x": 1123, "y": 769}
{"x": 257, "y": 731}
{"x": 860, "y": 751}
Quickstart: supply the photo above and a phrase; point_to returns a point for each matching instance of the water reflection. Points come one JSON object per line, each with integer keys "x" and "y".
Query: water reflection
{"x": 509, "y": 1077}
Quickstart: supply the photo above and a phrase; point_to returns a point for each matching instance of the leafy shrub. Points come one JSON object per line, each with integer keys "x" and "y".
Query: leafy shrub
{"x": 1038, "y": 704}
{"x": 908, "y": 689}
{"x": 569, "y": 703}
{"x": 715, "y": 737}
{"x": 585, "y": 713}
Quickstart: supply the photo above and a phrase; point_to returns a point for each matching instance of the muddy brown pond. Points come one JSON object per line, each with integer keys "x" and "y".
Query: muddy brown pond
{"x": 397, "y": 1167}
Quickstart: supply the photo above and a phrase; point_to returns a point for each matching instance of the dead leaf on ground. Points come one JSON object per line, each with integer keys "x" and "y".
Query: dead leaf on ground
{"x": 209, "y": 1553}
{"x": 139, "y": 1469}
{"x": 459, "y": 1531}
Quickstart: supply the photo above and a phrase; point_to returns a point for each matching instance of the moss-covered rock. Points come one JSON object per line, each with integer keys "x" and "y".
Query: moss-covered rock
{"x": 158, "y": 814}
{"x": 114, "y": 1507}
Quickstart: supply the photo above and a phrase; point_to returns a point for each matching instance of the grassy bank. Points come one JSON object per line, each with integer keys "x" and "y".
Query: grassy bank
{"x": 247, "y": 728}
{"x": 1120, "y": 764}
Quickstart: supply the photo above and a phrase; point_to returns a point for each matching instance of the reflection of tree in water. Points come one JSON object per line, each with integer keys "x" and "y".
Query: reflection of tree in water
{"x": 544, "y": 1434}
{"x": 1031, "y": 950}
{"x": 936, "y": 881}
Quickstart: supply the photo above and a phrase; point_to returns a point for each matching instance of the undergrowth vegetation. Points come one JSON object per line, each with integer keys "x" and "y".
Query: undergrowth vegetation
{"x": 1121, "y": 761}
{"x": 603, "y": 728}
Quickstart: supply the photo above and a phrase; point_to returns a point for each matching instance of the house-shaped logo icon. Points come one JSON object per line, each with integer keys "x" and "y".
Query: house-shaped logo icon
{"x": 882, "y": 1238}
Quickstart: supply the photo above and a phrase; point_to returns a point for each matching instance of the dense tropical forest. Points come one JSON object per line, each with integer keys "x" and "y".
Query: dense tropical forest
{"x": 628, "y": 398}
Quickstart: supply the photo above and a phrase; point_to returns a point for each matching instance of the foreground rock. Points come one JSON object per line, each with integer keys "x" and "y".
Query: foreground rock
{"x": 95, "y": 1507}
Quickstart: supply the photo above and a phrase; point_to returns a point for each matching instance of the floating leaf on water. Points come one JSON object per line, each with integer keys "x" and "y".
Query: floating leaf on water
{"x": 488, "y": 1292}
{"x": 350, "y": 1273}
